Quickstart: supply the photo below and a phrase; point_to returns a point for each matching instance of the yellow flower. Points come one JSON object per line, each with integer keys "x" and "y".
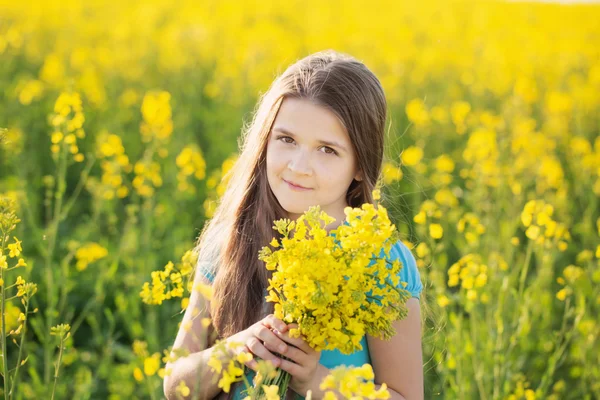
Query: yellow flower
{"x": 391, "y": 173}
{"x": 15, "y": 248}
{"x": 562, "y": 293}
{"x": 231, "y": 375}
{"x": 443, "y": 301}
{"x": 444, "y": 163}
{"x": 345, "y": 257}
{"x": 244, "y": 357}
{"x": 152, "y": 364}
{"x": 416, "y": 112}
{"x": 420, "y": 218}
{"x": 182, "y": 389}
{"x": 353, "y": 383}
{"x": 411, "y": 156}
{"x": 271, "y": 392}
{"x": 88, "y": 254}
{"x": 138, "y": 374}
{"x": 436, "y": 231}
{"x": 533, "y": 232}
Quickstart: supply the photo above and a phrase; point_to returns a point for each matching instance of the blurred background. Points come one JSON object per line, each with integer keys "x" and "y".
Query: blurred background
{"x": 121, "y": 119}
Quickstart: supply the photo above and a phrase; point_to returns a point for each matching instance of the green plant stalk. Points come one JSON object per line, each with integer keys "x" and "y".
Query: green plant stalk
{"x": 14, "y": 380}
{"x": 459, "y": 360}
{"x": 57, "y": 367}
{"x": 149, "y": 385}
{"x": 499, "y": 339}
{"x": 3, "y": 329}
{"x": 566, "y": 335}
{"x": 515, "y": 323}
{"x": 53, "y": 231}
{"x": 476, "y": 369}
{"x": 524, "y": 270}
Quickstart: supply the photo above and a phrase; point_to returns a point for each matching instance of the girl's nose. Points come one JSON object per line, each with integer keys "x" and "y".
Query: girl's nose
{"x": 300, "y": 163}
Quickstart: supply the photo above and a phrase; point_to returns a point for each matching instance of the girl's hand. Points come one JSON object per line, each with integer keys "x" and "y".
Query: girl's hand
{"x": 303, "y": 361}
{"x": 260, "y": 340}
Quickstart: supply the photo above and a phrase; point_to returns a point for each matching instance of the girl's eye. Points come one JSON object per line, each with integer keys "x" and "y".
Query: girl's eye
{"x": 329, "y": 150}
{"x": 289, "y": 140}
{"x": 284, "y": 139}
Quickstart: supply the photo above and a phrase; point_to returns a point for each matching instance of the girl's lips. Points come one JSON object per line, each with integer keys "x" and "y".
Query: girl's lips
{"x": 296, "y": 188}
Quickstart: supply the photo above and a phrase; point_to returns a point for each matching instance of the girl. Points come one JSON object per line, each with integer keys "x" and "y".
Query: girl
{"x": 317, "y": 137}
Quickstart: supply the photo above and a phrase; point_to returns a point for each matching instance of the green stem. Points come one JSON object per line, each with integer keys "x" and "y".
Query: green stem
{"x": 5, "y": 375}
{"x": 476, "y": 370}
{"x": 14, "y": 380}
{"x": 524, "y": 270}
{"x": 78, "y": 188}
{"x": 57, "y": 368}
{"x": 53, "y": 231}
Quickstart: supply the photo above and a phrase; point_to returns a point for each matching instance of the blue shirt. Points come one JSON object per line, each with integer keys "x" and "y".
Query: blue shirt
{"x": 334, "y": 358}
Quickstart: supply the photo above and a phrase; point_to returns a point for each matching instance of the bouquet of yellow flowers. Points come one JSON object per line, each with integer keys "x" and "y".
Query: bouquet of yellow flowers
{"x": 336, "y": 287}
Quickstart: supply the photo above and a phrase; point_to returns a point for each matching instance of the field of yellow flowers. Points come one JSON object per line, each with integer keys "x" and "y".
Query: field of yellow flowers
{"x": 121, "y": 118}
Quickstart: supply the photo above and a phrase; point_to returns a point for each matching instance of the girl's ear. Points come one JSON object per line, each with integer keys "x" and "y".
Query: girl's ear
{"x": 358, "y": 176}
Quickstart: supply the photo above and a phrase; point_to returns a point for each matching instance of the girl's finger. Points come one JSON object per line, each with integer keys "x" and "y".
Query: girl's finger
{"x": 272, "y": 322}
{"x": 252, "y": 364}
{"x": 270, "y": 340}
{"x": 296, "y": 342}
{"x": 258, "y": 349}
{"x": 291, "y": 367}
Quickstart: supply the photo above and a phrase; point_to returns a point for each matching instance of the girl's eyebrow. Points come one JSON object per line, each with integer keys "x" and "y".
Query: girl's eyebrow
{"x": 325, "y": 142}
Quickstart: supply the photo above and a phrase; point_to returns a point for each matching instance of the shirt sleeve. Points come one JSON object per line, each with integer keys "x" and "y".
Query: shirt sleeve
{"x": 205, "y": 269}
{"x": 409, "y": 272}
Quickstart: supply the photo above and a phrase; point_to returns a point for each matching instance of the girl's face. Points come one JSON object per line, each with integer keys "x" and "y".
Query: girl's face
{"x": 310, "y": 160}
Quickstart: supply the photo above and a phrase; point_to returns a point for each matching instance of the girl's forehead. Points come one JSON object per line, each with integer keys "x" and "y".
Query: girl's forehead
{"x": 308, "y": 120}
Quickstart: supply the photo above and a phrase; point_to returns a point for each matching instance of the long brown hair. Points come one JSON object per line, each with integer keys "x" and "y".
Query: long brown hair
{"x": 242, "y": 224}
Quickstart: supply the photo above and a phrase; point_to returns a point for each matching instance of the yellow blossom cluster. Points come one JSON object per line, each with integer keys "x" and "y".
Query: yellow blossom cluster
{"x": 336, "y": 287}
{"x": 430, "y": 211}
{"x": 541, "y": 228}
{"x": 11, "y": 141}
{"x": 190, "y": 162}
{"x": 25, "y": 290}
{"x": 353, "y": 383}
{"x": 391, "y": 173}
{"x": 534, "y": 159}
{"x": 156, "y": 112}
{"x": 412, "y": 156}
{"x": 115, "y": 164}
{"x": 471, "y": 273}
{"x": 29, "y": 90}
{"x": 61, "y": 330}
{"x": 216, "y": 184}
{"x": 150, "y": 363}
{"x": 67, "y": 121}
{"x": 227, "y": 362}
{"x": 14, "y": 318}
{"x": 571, "y": 274}
{"x": 417, "y": 112}
{"x": 442, "y": 173}
{"x": 482, "y": 153}
{"x": 459, "y": 110}
{"x": 523, "y": 390}
{"x": 147, "y": 177}
{"x": 588, "y": 159}
{"x": 89, "y": 253}
{"x": 422, "y": 116}
{"x": 14, "y": 251}
{"x": 471, "y": 226}
{"x": 169, "y": 282}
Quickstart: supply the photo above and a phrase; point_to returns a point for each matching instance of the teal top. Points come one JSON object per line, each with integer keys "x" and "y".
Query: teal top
{"x": 334, "y": 358}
